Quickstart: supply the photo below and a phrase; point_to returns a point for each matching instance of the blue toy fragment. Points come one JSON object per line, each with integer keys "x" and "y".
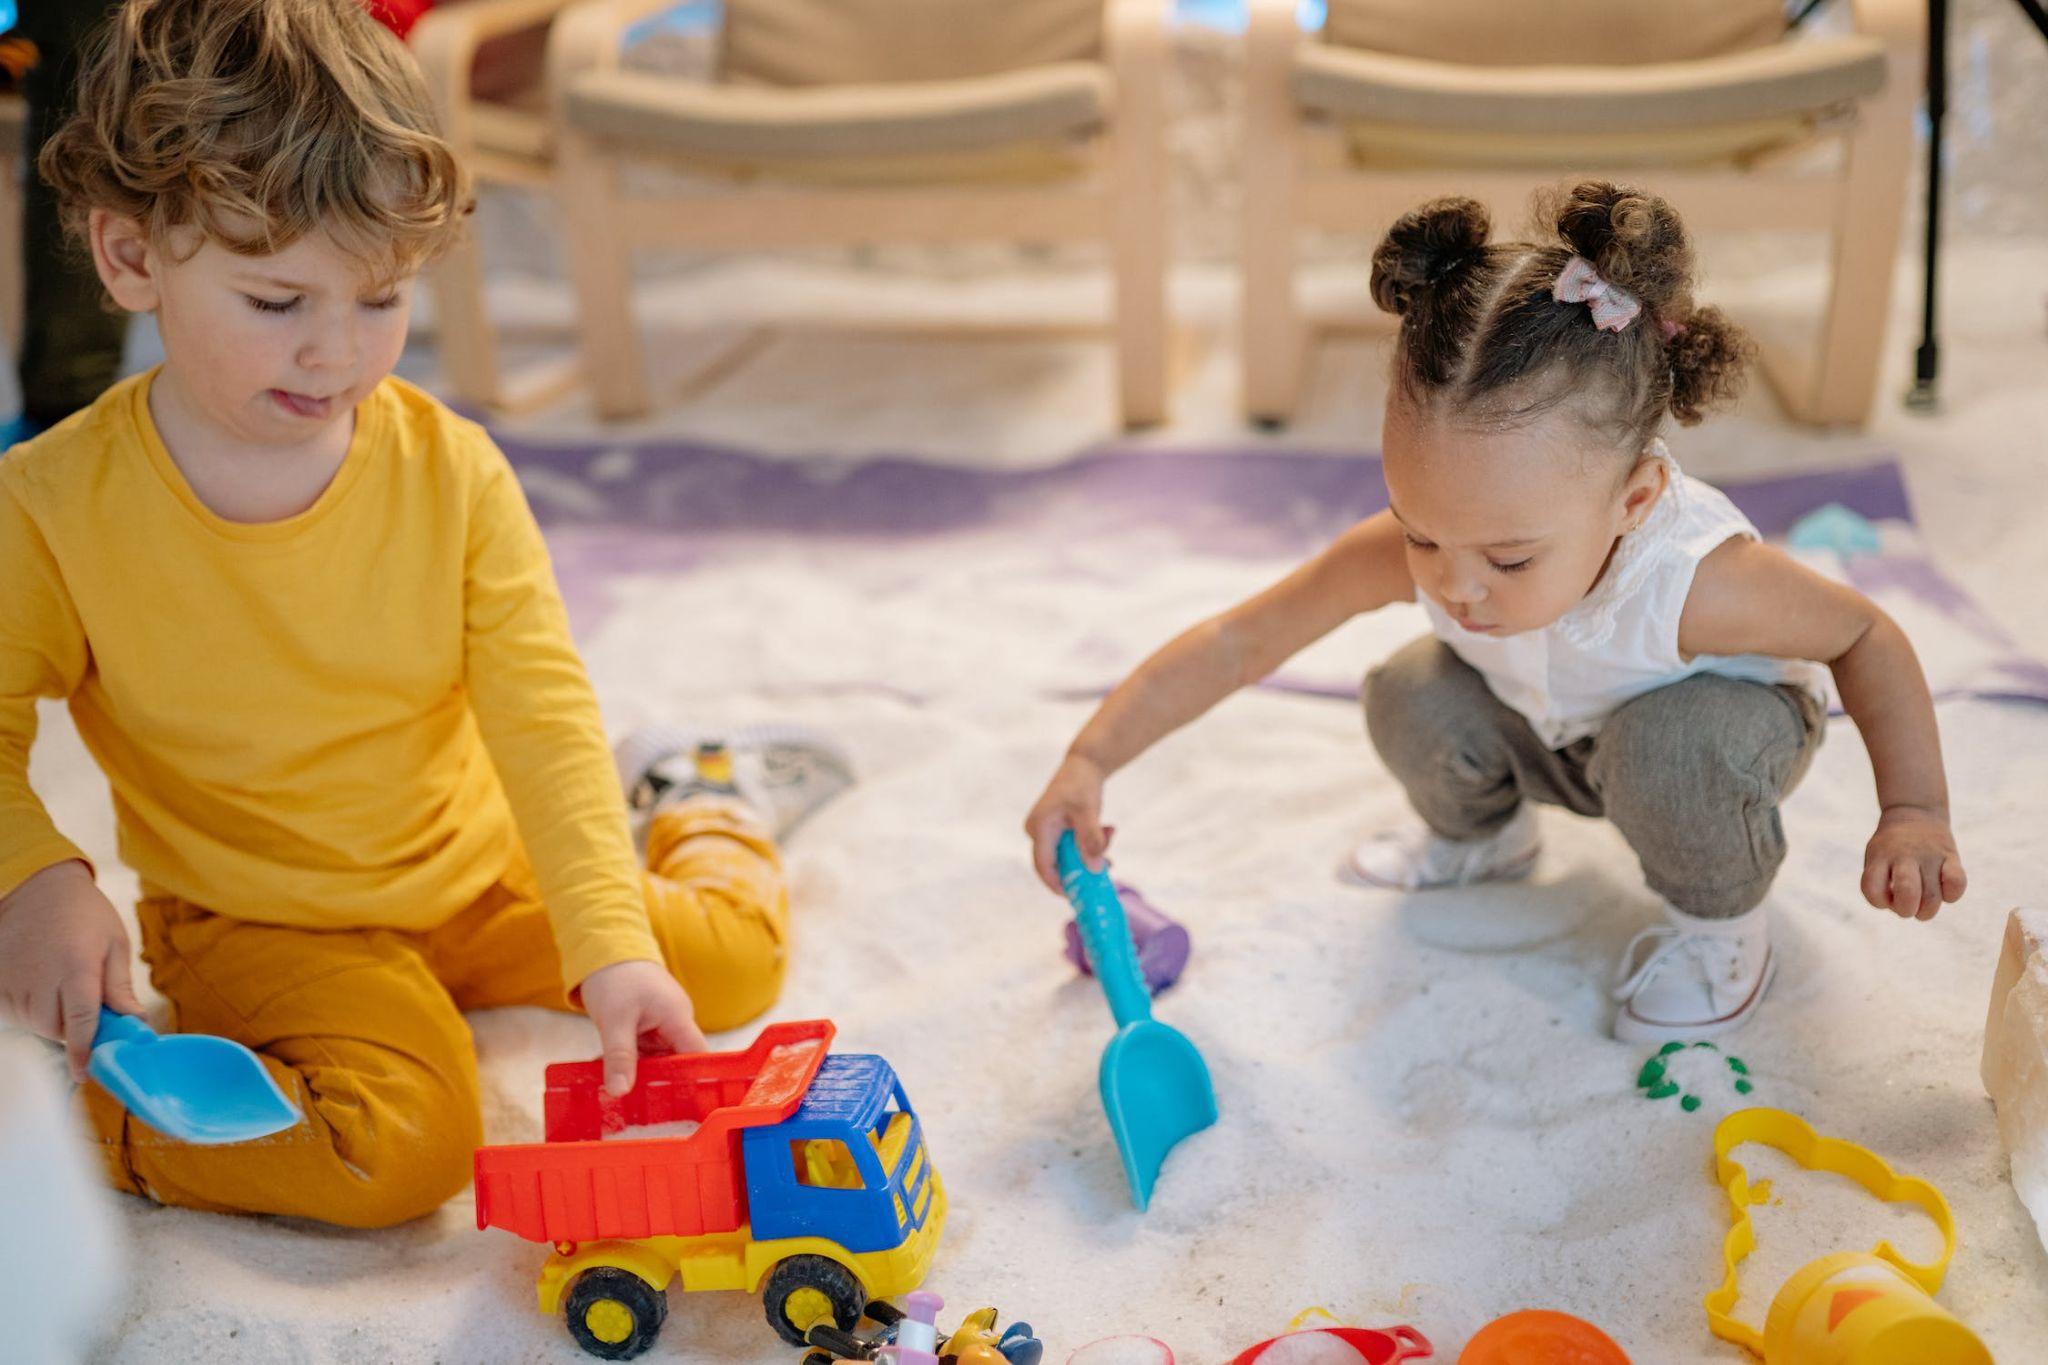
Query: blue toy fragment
{"x": 190, "y": 1086}
{"x": 1155, "y": 1085}
{"x": 1834, "y": 527}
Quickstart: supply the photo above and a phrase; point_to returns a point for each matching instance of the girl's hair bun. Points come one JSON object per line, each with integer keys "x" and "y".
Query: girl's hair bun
{"x": 1633, "y": 238}
{"x": 1428, "y": 245}
{"x": 1709, "y": 357}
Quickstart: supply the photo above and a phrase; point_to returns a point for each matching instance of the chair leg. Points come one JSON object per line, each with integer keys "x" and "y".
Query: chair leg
{"x": 462, "y": 325}
{"x": 1140, "y": 241}
{"x": 1869, "y": 221}
{"x": 1271, "y": 336}
{"x": 601, "y": 269}
{"x": 1140, "y": 251}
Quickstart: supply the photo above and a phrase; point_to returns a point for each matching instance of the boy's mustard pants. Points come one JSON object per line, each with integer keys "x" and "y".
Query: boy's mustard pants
{"x": 363, "y": 1029}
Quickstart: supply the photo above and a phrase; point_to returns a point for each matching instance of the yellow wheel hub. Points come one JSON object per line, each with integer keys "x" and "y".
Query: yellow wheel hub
{"x": 806, "y": 1308}
{"x": 610, "y": 1321}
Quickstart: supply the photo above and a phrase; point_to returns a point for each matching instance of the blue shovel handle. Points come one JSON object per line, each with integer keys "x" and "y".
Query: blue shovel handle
{"x": 1106, "y": 935}
{"x": 120, "y": 1028}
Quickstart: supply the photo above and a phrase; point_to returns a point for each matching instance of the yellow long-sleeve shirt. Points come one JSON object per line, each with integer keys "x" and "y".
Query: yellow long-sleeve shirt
{"x": 347, "y": 718}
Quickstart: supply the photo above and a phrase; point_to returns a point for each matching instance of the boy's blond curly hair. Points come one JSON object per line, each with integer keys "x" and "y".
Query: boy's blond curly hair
{"x": 258, "y": 122}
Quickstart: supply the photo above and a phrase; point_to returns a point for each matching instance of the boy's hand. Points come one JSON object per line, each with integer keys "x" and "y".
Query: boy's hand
{"x": 63, "y": 952}
{"x": 638, "y": 1007}
{"x": 1911, "y": 865}
{"x": 1072, "y": 800}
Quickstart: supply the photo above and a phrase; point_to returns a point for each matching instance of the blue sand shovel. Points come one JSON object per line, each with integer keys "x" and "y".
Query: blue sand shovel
{"x": 190, "y": 1086}
{"x": 1155, "y": 1086}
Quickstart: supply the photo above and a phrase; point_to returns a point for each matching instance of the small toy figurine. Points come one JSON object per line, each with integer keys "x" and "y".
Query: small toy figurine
{"x": 976, "y": 1342}
{"x": 917, "y": 1336}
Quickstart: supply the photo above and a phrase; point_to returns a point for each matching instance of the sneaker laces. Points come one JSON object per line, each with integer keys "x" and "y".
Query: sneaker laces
{"x": 1717, "y": 956}
{"x": 1431, "y": 860}
{"x": 1437, "y": 859}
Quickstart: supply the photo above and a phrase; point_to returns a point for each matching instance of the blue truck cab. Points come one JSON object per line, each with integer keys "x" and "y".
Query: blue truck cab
{"x": 849, "y": 1166}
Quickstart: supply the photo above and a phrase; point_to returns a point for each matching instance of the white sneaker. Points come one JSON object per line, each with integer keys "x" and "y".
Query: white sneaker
{"x": 1693, "y": 978}
{"x": 1420, "y": 859}
{"x": 785, "y": 772}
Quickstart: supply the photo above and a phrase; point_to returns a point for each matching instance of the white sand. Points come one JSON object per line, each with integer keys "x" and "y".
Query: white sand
{"x": 1409, "y": 1129}
{"x": 641, "y": 1132}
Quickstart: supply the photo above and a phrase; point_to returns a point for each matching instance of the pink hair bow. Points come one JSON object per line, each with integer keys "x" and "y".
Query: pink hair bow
{"x": 1614, "y": 308}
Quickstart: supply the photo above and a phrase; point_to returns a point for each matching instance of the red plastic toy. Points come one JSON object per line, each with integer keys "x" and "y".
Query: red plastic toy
{"x": 1360, "y": 1345}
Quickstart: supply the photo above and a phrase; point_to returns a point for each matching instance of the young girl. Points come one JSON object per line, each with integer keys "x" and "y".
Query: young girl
{"x": 1608, "y": 634}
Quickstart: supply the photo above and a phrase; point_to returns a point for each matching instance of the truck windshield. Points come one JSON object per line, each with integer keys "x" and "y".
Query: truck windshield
{"x": 829, "y": 1164}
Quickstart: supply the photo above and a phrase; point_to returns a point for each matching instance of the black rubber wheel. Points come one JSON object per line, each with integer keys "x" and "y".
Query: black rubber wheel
{"x": 613, "y": 1313}
{"x": 803, "y": 1286}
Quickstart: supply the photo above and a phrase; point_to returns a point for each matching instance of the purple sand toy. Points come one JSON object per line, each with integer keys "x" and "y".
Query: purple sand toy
{"x": 1163, "y": 945}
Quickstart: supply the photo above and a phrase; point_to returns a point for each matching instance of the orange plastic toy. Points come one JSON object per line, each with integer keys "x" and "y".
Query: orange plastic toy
{"x": 1539, "y": 1337}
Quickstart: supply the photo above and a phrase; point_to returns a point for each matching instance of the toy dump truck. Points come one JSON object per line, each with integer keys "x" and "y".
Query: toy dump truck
{"x": 780, "y": 1170}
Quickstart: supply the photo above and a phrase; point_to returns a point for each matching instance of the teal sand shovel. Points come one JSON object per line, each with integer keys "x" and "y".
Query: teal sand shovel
{"x": 190, "y": 1086}
{"x": 1155, "y": 1085}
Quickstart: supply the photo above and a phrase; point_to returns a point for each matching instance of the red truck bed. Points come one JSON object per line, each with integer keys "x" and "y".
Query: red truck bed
{"x": 578, "y": 1187}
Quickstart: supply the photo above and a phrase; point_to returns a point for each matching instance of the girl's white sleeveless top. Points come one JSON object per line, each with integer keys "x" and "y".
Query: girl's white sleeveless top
{"x": 1622, "y": 639}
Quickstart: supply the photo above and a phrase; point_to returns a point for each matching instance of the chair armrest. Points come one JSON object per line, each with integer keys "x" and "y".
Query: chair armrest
{"x": 480, "y": 20}
{"x": 445, "y": 41}
{"x": 587, "y": 39}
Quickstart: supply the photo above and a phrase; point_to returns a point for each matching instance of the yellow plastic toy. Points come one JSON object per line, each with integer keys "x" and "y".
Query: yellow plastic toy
{"x": 1852, "y": 1308}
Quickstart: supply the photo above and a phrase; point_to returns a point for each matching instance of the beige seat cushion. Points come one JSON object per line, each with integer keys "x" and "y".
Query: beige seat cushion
{"x": 1555, "y": 32}
{"x": 1392, "y": 147}
{"x": 866, "y": 42}
{"x": 751, "y": 124}
{"x": 1786, "y": 79}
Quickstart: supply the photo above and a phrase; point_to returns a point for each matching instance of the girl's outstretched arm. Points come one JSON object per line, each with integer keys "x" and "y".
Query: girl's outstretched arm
{"x": 1363, "y": 570}
{"x": 1752, "y": 599}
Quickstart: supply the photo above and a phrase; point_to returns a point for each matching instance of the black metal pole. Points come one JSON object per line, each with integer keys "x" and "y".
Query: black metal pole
{"x": 1927, "y": 360}
{"x": 2037, "y": 14}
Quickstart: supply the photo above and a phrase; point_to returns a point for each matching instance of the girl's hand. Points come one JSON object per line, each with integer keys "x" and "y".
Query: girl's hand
{"x": 638, "y": 1008}
{"x": 1072, "y": 800}
{"x": 1911, "y": 865}
{"x": 63, "y": 953}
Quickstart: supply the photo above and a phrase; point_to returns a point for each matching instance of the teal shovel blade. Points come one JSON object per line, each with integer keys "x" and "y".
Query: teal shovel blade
{"x": 190, "y": 1086}
{"x": 1155, "y": 1085}
{"x": 1156, "y": 1091}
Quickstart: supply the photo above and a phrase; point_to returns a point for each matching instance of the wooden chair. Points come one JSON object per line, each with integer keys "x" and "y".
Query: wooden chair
{"x": 484, "y": 66}
{"x": 842, "y": 122}
{"x": 1708, "y": 102}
